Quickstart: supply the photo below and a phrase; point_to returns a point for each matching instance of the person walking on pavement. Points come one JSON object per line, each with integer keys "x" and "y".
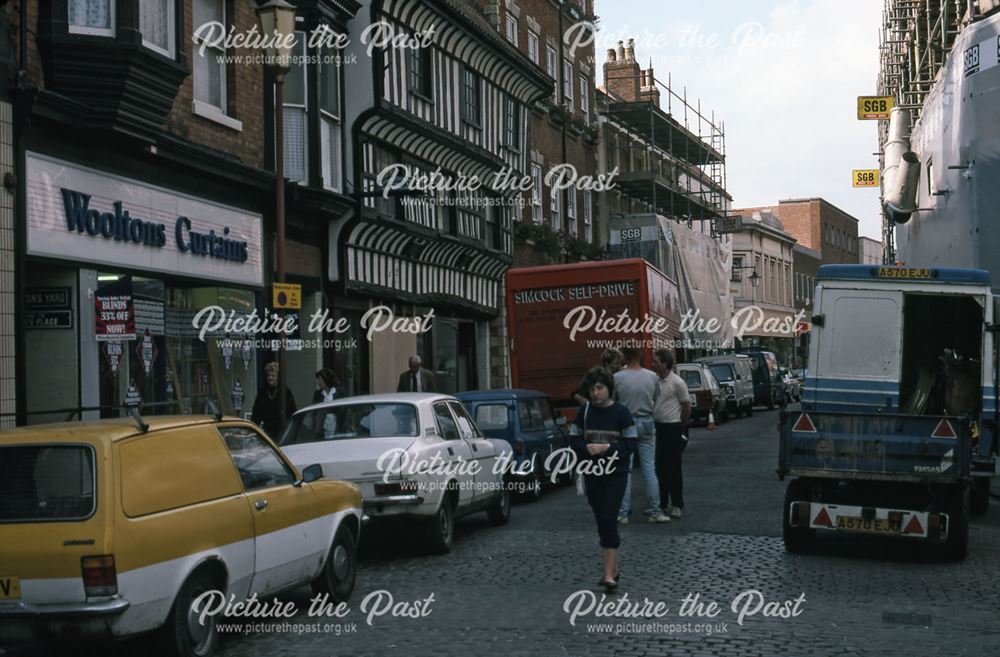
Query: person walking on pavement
{"x": 327, "y": 386}
{"x": 673, "y": 408}
{"x": 266, "y": 407}
{"x": 637, "y": 388}
{"x": 604, "y": 434}
{"x": 612, "y": 359}
{"x": 416, "y": 378}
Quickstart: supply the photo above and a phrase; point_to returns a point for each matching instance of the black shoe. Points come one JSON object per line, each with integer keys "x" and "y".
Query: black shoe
{"x": 610, "y": 586}
{"x": 618, "y": 576}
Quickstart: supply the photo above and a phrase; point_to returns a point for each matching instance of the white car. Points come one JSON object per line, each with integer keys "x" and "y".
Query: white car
{"x": 413, "y": 455}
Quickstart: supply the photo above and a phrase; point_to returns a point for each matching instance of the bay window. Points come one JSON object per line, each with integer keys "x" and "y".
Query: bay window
{"x": 156, "y": 22}
{"x": 95, "y": 17}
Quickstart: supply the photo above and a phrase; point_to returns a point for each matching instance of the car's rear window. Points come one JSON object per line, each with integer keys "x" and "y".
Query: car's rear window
{"x": 46, "y": 482}
{"x": 722, "y": 372}
{"x": 691, "y": 378}
{"x": 492, "y": 417}
{"x": 350, "y": 421}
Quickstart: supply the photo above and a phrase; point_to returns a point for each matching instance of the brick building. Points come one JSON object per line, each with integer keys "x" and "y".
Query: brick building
{"x": 817, "y": 224}
{"x": 146, "y": 193}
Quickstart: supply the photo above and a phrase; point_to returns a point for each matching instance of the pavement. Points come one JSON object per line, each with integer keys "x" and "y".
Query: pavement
{"x": 512, "y": 590}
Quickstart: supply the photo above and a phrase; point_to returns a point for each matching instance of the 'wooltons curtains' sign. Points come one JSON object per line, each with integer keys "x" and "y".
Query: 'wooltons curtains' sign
{"x": 84, "y": 215}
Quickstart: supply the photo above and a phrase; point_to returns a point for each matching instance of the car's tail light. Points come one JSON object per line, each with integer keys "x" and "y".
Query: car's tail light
{"x": 519, "y": 447}
{"x": 99, "y": 576}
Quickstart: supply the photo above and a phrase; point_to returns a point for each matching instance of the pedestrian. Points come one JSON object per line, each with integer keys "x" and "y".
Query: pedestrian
{"x": 673, "y": 408}
{"x": 416, "y": 378}
{"x": 637, "y": 388}
{"x": 265, "y": 407}
{"x": 612, "y": 359}
{"x": 327, "y": 386}
{"x": 603, "y": 435}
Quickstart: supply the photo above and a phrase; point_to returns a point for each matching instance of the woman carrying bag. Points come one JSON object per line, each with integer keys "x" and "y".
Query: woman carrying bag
{"x": 604, "y": 434}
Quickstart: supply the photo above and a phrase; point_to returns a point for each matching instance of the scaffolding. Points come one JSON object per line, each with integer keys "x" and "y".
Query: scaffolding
{"x": 915, "y": 41}
{"x": 673, "y": 163}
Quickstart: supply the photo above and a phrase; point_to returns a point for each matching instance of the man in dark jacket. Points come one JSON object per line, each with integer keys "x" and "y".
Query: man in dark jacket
{"x": 416, "y": 378}
{"x": 265, "y": 407}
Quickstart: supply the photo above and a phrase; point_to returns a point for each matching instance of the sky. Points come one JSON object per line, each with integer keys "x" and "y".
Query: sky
{"x": 784, "y": 76}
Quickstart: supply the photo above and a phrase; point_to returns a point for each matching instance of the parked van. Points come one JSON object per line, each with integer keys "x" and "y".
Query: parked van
{"x": 768, "y": 384}
{"x": 116, "y": 527}
{"x": 735, "y": 376}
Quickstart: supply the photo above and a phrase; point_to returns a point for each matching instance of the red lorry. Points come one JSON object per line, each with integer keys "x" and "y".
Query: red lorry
{"x": 561, "y": 318}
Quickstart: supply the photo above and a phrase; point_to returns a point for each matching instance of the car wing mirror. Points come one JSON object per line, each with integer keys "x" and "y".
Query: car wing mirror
{"x": 311, "y": 473}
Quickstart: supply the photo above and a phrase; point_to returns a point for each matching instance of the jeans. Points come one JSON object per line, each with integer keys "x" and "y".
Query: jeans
{"x": 604, "y": 493}
{"x": 669, "y": 446}
{"x": 646, "y": 453}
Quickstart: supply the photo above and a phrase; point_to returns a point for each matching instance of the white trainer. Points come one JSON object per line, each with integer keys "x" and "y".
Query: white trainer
{"x": 659, "y": 517}
{"x": 675, "y": 512}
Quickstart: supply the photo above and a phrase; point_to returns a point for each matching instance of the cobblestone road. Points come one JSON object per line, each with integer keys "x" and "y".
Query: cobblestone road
{"x": 502, "y": 591}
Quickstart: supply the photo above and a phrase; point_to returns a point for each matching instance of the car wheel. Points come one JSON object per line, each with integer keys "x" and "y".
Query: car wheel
{"x": 186, "y": 636}
{"x": 341, "y": 567}
{"x": 439, "y": 532}
{"x": 797, "y": 539}
{"x": 750, "y": 409}
{"x": 567, "y": 478}
{"x": 979, "y": 497}
{"x": 499, "y": 511}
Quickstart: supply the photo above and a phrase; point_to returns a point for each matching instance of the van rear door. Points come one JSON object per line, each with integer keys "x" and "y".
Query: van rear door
{"x": 52, "y": 515}
{"x": 855, "y": 354}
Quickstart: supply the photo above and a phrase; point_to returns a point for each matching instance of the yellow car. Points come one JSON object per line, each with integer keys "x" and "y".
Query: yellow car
{"x": 116, "y": 527}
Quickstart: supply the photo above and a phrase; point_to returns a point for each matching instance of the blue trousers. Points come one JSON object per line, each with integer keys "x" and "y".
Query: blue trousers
{"x": 604, "y": 493}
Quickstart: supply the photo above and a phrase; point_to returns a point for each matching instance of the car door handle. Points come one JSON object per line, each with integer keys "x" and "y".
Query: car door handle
{"x": 474, "y": 448}
{"x": 260, "y": 504}
{"x": 451, "y": 452}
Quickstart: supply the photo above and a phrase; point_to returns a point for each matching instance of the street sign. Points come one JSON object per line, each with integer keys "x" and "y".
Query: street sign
{"x": 732, "y": 224}
{"x": 875, "y": 107}
{"x": 287, "y": 296}
{"x": 48, "y": 319}
{"x": 865, "y": 177}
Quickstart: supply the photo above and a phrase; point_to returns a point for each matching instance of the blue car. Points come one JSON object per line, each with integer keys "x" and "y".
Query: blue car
{"x": 525, "y": 419}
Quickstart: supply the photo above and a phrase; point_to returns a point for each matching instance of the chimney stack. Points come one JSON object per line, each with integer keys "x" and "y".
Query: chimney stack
{"x": 622, "y": 75}
{"x": 612, "y": 58}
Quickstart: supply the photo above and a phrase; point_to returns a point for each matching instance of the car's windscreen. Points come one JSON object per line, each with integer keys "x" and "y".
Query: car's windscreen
{"x": 722, "y": 372}
{"x": 691, "y": 378}
{"x": 46, "y": 482}
{"x": 492, "y": 417}
{"x": 350, "y": 421}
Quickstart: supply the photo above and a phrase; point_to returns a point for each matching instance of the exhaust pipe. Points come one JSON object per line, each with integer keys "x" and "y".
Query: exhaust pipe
{"x": 902, "y": 169}
{"x": 901, "y": 196}
{"x": 898, "y": 142}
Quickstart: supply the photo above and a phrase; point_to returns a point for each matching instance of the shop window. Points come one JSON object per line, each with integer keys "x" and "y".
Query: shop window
{"x": 156, "y": 22}
{"x": 96, "y": 17}
{"x": 167, "y": 367}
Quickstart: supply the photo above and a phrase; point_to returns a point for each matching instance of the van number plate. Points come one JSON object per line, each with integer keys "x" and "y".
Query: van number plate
{"x": 10, "y": 588}
{"x": 877, "y": 526}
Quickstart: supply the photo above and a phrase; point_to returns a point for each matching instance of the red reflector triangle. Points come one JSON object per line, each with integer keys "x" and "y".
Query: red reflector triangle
{"x": 823, "y": 518}
{"x": 943, "y": 430}
{"x": 804, "y": 424}
{"x": 914, "y": 526}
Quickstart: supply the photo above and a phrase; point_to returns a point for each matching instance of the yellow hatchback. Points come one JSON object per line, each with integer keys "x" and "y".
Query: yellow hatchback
{"x": 116, "y": 527}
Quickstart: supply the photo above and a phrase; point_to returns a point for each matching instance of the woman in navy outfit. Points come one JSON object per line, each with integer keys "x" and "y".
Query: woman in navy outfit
{"x": 604, "y": 435}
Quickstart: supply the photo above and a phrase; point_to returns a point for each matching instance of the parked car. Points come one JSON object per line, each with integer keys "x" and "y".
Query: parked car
{"x": 706, "y": 395}
{"x": 115, "y": 527}
{"x": 409, "y": 453}
{"x": 526, "y": 420}
{"x": 768, "y": 384}
{"x": 793, "y": 387}
{"x": 735, "y": 377}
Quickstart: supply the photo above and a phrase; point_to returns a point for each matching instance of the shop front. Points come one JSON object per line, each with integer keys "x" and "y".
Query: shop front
{"x": 118, "y": 275}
